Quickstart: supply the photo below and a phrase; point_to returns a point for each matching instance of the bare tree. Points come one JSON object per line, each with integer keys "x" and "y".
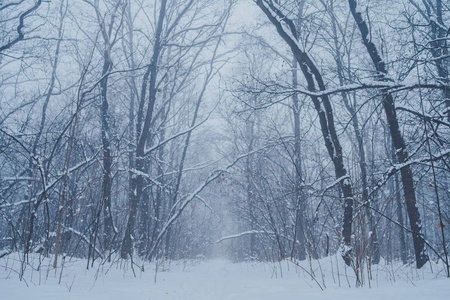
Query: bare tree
{"x": 287, "y": 30}
{"x": 397, "y": 138}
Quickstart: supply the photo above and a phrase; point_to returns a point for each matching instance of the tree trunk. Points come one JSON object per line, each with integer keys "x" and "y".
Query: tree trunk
{"x": 299, "y": 202}
{"x": 324, "y": 110}
{"x": 439, "y": 50}
{"x": 105, "y": 120}
{"x": 397, "y": 139}
{"x": 107, "y": 157}
{"x": 137, "y": 183}
{"x": 401, "y": 233}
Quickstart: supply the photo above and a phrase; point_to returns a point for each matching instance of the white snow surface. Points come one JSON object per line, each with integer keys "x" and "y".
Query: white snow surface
{"x": 218, "y": 279}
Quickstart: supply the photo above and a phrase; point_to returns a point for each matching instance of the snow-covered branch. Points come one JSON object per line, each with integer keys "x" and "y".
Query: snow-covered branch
{"x": 238, "y": 235}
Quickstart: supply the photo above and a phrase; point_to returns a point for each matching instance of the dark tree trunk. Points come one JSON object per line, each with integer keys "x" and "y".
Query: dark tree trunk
{"x": 107, "y": 157}
{"x": 324, "y": 110}
{"x": 299, "y": 201}
{"x": 397, "y": 139}
{"x": 106, "y": 130}
{"x": 137, "y": 183}
{"x": 401, "y": 232}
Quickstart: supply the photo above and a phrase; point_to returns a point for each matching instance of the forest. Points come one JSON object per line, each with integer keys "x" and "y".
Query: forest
{"x": 254, "y": 130}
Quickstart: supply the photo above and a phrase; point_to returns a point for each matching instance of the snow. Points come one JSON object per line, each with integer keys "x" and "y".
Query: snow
{"x": 218, "y": 279}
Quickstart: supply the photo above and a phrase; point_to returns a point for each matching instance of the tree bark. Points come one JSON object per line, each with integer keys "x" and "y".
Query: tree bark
{"x": 397, "y": 139}
{"x": 105, "y": 121}
{"x": 288, "y": 32}
{"x": 299, "y": 202}
{"x": 107, "y": 157}
{"x": 137, "y": 181}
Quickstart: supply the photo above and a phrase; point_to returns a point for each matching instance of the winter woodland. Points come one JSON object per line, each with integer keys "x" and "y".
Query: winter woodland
{"x": 257, "y": 131}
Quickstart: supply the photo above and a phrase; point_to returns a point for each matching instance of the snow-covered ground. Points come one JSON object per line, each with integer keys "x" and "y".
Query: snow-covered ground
{"x": 218, "y": 279}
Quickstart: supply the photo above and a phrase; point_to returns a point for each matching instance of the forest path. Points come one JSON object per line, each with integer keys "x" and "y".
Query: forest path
{"x": 212, "y": 280}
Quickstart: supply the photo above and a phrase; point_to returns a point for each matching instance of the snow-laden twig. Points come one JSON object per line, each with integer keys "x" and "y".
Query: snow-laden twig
{"x": 190, "y": 129}
{"x": 238, "y": 235}
{"x": 390, "y": 86}
{"x": 426, "y": 116}
{"x": 397, "y": 167}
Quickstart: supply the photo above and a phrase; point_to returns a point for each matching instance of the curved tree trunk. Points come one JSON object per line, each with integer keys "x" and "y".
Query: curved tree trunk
{"x": 286, "y": 29}
{"x": 397, "y": 140}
